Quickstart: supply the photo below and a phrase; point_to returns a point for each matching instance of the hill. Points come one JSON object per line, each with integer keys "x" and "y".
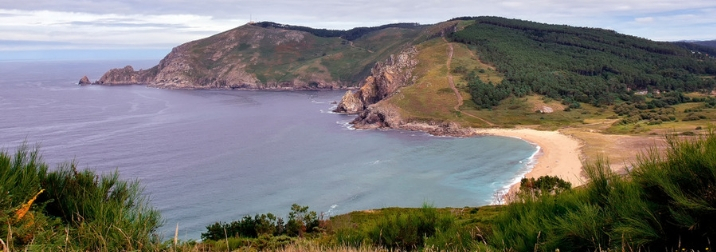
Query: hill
{"x": 270, "y": 55}
{"x": 709, "y": 43}
{"x": 492, "y": 71}
{"x": 585, "y": 65}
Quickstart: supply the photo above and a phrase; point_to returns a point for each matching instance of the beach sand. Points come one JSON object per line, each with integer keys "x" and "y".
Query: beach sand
{"x": 559, "y": 154}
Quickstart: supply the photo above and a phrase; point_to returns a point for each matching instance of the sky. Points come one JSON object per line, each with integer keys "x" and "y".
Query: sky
{"x": 150, "y": 28}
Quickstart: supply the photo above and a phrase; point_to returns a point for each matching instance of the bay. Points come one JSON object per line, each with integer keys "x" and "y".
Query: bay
{"x": 207, "y": 156}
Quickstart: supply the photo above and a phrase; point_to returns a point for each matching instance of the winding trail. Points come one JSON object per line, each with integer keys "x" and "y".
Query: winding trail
{"x": 454, "y": 89}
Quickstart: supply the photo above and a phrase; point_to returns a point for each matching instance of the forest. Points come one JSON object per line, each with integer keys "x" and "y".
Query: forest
{"x": 580, "y": 65}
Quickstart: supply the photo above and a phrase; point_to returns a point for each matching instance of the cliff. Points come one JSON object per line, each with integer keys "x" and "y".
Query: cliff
{"x": 385, "y": 79}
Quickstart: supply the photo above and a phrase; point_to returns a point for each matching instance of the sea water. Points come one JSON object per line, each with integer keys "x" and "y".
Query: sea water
{"x": 208, "y": 156}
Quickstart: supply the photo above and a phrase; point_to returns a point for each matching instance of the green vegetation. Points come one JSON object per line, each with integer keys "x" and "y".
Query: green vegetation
{"x": 582, "y": 65}
{"x": 666, "y": 201}
{"x": 284, "y": 56}
{"x": 70, "y": 210}
{"x": 423, "y": 228}
{"x": 544, "y": 185}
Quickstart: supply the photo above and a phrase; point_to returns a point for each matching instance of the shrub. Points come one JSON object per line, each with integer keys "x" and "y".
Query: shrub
{"x": 74, "y": 210}
{"x": 544, "y": 184}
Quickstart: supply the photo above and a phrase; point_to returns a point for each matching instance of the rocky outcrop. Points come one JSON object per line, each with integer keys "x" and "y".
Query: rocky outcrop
{"x": 376, "y": 116}
{"x": 383, "y": 115}
{"x": 125, "y": 76}
{"x": 385, "y": 79}
{"x": 84, "y": 81}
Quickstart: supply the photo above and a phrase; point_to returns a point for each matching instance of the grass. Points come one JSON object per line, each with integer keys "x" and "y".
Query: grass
{"x": 666, "y": 201}
{"x": 70, "y": 210}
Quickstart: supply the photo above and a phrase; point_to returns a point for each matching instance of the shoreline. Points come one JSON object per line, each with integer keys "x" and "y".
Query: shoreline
{"x": 558, "y": 155}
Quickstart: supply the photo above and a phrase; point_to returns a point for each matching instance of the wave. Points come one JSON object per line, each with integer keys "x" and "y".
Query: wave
{"x": 346, "y": 125}
{"x": 529, "y": 165}
{"x": 329, "y": 213}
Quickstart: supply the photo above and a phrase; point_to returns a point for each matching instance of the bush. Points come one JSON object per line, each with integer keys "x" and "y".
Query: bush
{"x": 74, "y": 210}
{"x": 544, "y": 184}
{"x": 300, "y": 221}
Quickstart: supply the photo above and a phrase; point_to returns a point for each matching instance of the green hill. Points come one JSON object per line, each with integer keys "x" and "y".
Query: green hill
{"x": 586, "y": 65}
{"x": 269, "y": 55}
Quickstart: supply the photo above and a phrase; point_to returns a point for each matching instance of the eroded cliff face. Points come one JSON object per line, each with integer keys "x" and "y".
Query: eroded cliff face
{"x": 385, "y": 79}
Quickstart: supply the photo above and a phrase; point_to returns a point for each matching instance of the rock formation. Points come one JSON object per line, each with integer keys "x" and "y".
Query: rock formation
{"x": 385, "y": 78}
{"x": 84, "y": 81}
{"x": 125, "y": 76}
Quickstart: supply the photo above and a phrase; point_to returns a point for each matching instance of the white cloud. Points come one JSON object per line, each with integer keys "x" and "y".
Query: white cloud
{"x": 644, "y": 20}
{"x": 80, "y": 30}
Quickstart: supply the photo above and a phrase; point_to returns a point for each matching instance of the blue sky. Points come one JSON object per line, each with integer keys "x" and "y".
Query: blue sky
{"x": 151, "y": 28}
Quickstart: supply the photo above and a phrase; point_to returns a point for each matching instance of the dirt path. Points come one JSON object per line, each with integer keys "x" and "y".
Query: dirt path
{"x": 454, "y": 89}
{"x": 450, "y": 80}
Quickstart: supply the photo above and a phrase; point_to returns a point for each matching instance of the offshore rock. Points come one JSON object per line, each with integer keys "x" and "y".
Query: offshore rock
{"x": 385, "y": 78}
{"x": 84, "y": 81}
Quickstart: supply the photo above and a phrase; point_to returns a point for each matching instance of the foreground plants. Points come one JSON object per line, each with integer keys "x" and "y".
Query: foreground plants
{"x": 70, "y": 210}
{"x": 667, "y": 201}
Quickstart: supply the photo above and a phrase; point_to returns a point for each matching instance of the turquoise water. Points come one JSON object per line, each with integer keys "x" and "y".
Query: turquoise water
{"x": 206, "y": 156}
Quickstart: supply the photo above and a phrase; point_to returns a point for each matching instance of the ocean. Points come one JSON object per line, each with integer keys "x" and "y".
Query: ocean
{"x": 208, "y": 156}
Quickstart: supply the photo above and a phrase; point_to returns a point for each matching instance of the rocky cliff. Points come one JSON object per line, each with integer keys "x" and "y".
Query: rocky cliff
{"x": 126, "y": 76}
{"x": 385, "y": 79}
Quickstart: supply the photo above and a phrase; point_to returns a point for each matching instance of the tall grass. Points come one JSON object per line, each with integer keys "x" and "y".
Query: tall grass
{"x": 413, "y": 230}
{"x": 78, "y": 210}
{"x": 668, "y": 201}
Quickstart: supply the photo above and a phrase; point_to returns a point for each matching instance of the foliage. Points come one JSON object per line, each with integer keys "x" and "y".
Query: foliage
{"x": 411, "y": 230}
{"x": 300, "y": 221}
{"x": 544, "y": 184}
{"x": 78, "y": 210}
{"x": 667, "y": 201}
{"x": 584, "y": 65}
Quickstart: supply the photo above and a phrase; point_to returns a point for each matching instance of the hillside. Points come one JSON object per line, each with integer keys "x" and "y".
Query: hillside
{"x": 709, "y": 43}
{"x": 269, "y": 55}
{"x": 585, "y": 65}
{"x": 498, "y": 72}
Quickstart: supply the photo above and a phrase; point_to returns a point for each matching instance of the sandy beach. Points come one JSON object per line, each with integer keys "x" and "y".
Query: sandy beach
{"x": 559, "y": 154}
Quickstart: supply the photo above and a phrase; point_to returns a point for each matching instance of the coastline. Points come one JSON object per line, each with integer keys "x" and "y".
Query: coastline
{"x": 559, "y": 154}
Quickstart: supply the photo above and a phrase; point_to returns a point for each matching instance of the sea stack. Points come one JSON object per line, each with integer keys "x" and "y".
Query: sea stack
{"x": 84, "y": 81}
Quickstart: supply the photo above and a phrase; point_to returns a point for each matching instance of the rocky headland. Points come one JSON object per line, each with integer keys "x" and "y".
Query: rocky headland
{"x": 271, "y": 56}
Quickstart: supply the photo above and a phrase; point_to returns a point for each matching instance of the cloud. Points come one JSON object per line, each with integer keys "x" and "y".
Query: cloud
{"x": 167, "y": 23}
{"x": 68, "y": 30}
{"x": 644, "y": 20}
